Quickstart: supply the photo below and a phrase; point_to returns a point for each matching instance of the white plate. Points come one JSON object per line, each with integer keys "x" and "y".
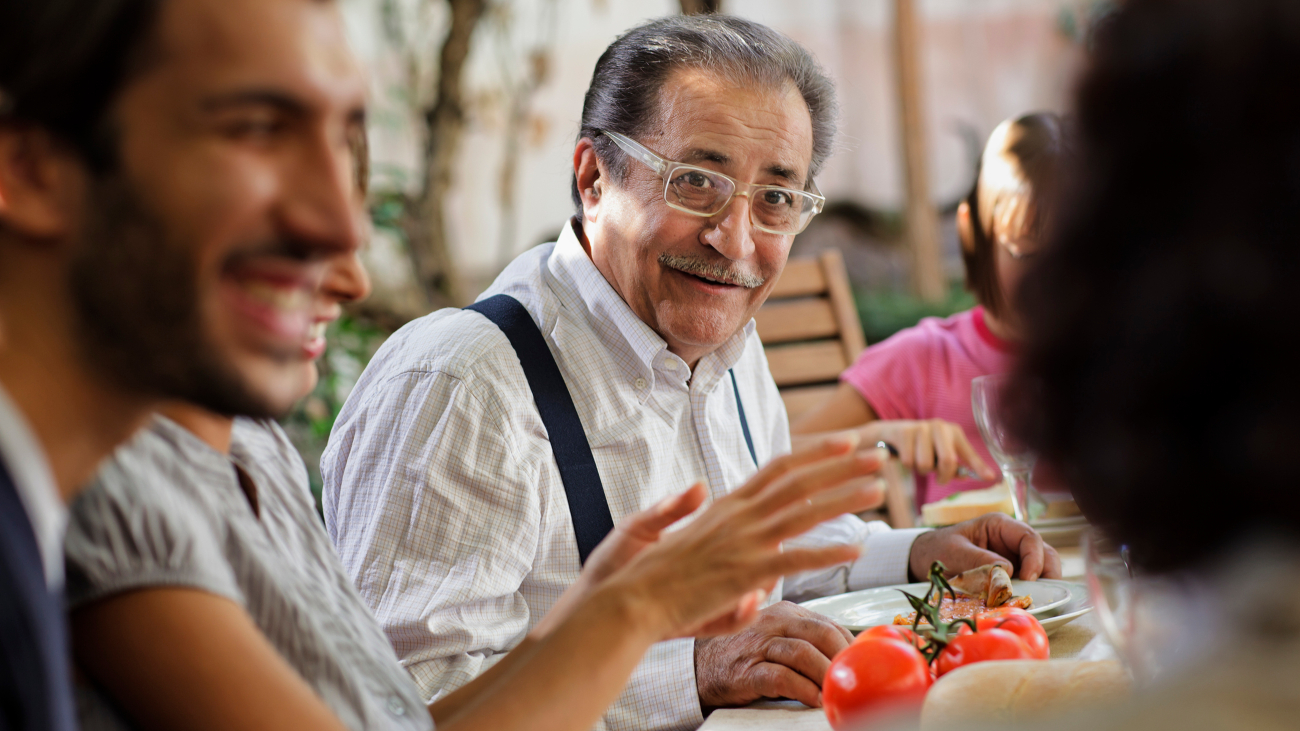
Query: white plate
{"x": 858, "y": 610}
{"x": 1076, "y": 607}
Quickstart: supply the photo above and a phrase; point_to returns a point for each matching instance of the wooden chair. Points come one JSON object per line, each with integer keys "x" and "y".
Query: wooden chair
{"x": 810, "y": 329}
{"x": 811, "y": 332}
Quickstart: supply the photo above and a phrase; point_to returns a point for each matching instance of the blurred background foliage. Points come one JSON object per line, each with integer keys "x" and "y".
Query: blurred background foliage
{"x": 474, "y": 106}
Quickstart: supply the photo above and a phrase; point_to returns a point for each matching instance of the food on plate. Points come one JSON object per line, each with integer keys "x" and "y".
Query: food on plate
{"x": 1023, "y": 624}
{"x": 979, "y": 589}
{"x": 1000, "y": 692}
{"x": 875, "y": 676}
{"x": 969, "y": 504}
{"x": 989, "y": 581}
{"x": 983, "y": 644}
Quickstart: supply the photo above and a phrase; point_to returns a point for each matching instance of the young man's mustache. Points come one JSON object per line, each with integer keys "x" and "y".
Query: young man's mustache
{"x": 710, "y": 270}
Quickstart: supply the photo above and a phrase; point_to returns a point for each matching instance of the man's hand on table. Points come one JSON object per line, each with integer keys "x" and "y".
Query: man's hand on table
{"x": 784, "y": 654}
{"x": 992, "y": 538}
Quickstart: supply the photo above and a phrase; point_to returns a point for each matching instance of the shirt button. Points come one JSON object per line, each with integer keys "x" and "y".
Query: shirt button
{"x": 641, "y": 384}
{"x": 396, "y": 707}
{"x": 670, "y": 364}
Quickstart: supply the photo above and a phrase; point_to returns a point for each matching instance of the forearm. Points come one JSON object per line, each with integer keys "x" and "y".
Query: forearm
{"x": 566, "y": 680}
{"x": 449, "y": 706}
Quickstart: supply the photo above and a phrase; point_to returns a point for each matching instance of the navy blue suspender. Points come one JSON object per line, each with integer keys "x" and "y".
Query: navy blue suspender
{"x": 744, "y": 423}
{"x": 583, "y": 489}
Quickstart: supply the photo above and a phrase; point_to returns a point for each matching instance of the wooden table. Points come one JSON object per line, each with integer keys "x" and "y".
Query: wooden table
{"x": 795, "y": 716}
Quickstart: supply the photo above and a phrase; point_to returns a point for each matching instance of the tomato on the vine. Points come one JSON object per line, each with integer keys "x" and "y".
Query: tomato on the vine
{"x": 898, "y": 632}
{"x": 873, "y": 675}
{"x": 985, "y": 644}
{"x": 1021, "y": 623}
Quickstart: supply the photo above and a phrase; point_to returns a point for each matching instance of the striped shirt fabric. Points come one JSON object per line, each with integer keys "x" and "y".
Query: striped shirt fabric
{"x": 167, "y": 510}
{"x": 446, "y": 506}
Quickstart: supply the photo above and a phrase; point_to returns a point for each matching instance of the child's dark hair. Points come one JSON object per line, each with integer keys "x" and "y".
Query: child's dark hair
{"x": 1014, "y": 186}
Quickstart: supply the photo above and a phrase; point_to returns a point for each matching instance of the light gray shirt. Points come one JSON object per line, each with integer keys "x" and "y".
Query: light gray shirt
{"x": 168, "y": 510}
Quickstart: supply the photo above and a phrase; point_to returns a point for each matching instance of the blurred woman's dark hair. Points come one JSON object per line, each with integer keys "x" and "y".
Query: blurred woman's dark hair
{"x": 1157, "y": 373}
{"x": 1013, "y": 193}
{"x": 624, "y": 92}
{"x": 63, "y": 63}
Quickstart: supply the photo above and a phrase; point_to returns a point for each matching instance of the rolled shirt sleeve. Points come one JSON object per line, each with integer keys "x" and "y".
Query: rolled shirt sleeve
{"x": 884, "y": 558}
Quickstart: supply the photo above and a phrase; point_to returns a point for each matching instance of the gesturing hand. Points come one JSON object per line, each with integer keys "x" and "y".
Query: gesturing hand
{"x": 627, "y": 539}
{"x": 785, "y": 654}
{"x": 992, "y": 538}
{"x": 711, "y": 576}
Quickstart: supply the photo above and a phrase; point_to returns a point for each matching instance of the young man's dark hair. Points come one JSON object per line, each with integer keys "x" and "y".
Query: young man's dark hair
{"x": 1156, "y": 374}
{"x": 63, "y": 62}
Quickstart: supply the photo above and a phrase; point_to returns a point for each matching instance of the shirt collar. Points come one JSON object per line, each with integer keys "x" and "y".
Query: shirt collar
{"x": 644, "y": 354}
{"x": 30, "y": 470}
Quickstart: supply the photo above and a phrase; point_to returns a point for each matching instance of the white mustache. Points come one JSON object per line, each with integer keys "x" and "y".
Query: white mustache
{"x": 710, "y": 270}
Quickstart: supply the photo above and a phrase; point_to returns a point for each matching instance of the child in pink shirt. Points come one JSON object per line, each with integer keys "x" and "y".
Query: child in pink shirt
{"x": 912, "y": 390}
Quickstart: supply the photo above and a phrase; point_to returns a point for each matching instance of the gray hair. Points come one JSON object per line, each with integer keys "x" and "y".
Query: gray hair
{"x": 624, "y": 92}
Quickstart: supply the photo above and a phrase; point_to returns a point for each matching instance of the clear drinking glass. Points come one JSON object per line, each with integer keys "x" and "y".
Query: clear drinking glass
{"x": 1014, "y": 458}
{"x": 1146, "y": 617}
{"x": 1110, "y": 587}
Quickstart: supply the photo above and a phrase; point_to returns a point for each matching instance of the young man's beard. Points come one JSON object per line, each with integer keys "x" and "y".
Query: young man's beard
{"x": 137, "y": 304}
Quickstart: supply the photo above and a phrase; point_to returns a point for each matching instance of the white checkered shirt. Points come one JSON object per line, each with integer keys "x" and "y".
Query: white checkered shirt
{"x": 446, "y": 505}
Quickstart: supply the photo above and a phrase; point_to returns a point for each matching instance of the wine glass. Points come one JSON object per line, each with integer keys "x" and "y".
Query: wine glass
{"x": 1014, "y": 458}
{"x": 1144, "y": 616}
{"x": 1110, "y": 588}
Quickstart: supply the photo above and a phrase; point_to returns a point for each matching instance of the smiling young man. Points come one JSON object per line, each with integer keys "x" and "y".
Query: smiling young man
{"x": 168, "y": 205}
{"x": 462, "y": 505}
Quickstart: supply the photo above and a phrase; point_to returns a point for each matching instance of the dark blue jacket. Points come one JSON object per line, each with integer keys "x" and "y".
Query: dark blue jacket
{"x": 35, "y": 679}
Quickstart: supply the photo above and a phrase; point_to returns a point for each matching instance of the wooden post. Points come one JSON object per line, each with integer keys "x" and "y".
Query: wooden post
{"x": 921, "y": 219}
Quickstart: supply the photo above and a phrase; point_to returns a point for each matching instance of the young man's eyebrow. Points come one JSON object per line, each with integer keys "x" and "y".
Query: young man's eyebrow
{"x": 254, "y": 98}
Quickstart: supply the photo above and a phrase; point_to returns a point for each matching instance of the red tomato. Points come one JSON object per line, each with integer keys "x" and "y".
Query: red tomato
{"x": 1023, "y": 624}
{"x": 873, "y": 675}
{"x": 890, "y": 632}
{"x": 989, "y": 644}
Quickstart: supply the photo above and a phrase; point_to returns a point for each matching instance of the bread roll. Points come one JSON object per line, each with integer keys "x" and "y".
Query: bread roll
{"x": 961, "y": 506}
{"x": 1014, "y": 690}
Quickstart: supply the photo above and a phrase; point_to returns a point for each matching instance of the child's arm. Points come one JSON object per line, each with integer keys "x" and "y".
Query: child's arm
{"x": 925, "y": 446}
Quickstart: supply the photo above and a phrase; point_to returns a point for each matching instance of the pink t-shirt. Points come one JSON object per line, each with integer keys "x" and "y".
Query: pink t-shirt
{"x": 924, "y": 372}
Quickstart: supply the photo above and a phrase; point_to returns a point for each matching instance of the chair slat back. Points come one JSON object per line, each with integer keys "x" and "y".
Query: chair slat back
{"x": 810, "y": 329}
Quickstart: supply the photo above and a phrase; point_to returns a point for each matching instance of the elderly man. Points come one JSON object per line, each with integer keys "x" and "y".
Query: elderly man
{"x": 164, "y": 217}
{"x": 462, "y": 505}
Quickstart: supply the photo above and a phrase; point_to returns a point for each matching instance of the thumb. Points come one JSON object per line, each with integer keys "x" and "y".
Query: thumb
{"x": 649, "y": 523}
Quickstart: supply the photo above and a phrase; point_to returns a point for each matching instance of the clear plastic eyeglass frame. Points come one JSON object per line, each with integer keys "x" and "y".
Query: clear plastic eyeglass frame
{"x": 704, "y": 192}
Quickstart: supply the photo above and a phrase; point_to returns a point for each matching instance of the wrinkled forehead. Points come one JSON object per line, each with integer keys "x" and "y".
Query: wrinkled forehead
{"x": 733, "y": 122}
{"x": 290, "y": 46}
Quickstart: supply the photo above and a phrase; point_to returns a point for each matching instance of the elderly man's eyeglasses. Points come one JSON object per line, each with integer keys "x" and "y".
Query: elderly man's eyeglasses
{"x": 703, "y": 192}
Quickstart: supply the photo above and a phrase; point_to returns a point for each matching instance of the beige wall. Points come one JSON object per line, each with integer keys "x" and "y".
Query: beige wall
{"x": 984, "y": 60}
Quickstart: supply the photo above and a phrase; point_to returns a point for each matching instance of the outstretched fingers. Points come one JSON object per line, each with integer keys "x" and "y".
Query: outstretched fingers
{"x": 808, "y": 481}
{"x": 834, "y": 445}
{"x": 863, "y": 493}
{"x": 649, "y": 523}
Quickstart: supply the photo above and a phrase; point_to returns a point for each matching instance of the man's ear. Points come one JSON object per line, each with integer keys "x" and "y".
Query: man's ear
{"x": 965, "y": 228}
{"x": 39, "y": 180}
{"x": 586, "y": 170}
